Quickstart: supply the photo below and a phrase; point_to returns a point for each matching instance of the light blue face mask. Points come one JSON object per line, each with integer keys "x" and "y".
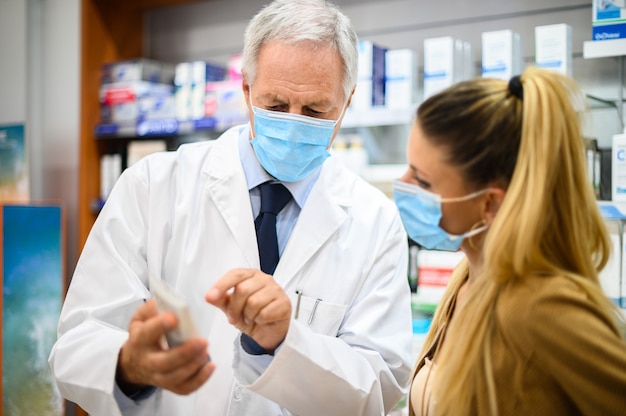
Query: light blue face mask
{"x": 291, "y": 146}
{"x": 420, "y": 212}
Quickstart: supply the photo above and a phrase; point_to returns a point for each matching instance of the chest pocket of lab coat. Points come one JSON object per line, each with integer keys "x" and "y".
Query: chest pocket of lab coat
{"x": 321, "y": 316}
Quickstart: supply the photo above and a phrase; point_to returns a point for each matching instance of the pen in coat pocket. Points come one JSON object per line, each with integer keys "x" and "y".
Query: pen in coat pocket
{"x": 317, "y": 301}
{"x": 299, "y": 293}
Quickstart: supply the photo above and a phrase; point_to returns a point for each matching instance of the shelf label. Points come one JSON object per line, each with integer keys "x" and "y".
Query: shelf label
{"x": 157, "y": 127}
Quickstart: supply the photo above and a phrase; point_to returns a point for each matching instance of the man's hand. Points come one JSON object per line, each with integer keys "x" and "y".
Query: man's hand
{"x": 143, "y": 361}
{"x": 255, "y": 304}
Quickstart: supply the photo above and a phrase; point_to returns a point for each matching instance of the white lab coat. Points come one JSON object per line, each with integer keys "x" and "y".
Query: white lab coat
{"x": 186, "y": 216}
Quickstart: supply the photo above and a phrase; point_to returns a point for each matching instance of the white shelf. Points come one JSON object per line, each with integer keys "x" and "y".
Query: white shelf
{"x": 378, "y": 117}
{"x": 384, "y": 173}
{"x": 604, "y": 48}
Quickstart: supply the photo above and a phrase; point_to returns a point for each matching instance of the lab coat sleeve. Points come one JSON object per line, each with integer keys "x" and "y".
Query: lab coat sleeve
{"x": 364, "y": 370}
{"x": 104, "y": 293}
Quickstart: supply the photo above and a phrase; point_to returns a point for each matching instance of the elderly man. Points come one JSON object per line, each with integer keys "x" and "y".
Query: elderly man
{"x": 293, "y": 268}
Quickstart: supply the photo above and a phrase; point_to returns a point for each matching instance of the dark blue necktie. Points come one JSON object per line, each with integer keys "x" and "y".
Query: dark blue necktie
{"x": 274, "y": 197}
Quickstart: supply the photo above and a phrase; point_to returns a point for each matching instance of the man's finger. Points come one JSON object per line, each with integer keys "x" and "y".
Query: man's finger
{"x": 217, "y": 294}
{"x": 149, "y": 325}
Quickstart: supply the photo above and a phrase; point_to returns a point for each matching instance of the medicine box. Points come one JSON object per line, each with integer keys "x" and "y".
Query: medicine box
{"x": 618, "y": 168}
{"x": 553, "y": 48}
{"x": 125, "y": 103}
{"x": 444, "y": 63}
{"x": 608, "y": 19}
{"x": 434, "y": 271}
{"x": 190, "y": 83}
{"x": 401, "y": 78}
{"x": 501, "y": 54}
{"x": 225, "y": 102}
{"x": 370, "y": 88}
{"x": 610, "y": 277}
{"x": 201, "y": 73}
{"x": 613, "y": 276}
{"x": 138, "y": 70}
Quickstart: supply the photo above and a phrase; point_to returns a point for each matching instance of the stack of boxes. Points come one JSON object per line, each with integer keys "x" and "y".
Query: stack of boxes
{"x": 225, "y": 101}
{"x": 135, "y": 91}
{"x": 190, "y": 84}
{"x": 143, "y": 97}
{"x": 387, "y": 78}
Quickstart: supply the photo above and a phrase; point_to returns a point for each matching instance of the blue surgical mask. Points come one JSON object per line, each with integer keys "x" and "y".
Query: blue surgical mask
{"x": 420, "y": 212}
{"x": 290, "y": 147}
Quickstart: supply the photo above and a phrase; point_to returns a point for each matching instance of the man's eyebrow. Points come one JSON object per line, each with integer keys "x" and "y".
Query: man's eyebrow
{"x": 272, "y": 97}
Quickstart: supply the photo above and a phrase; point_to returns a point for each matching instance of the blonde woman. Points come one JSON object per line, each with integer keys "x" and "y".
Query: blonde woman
{"x": 497, "y": 170}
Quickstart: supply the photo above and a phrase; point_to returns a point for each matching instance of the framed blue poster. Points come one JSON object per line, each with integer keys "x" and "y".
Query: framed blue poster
{"x": 32, "y": 274}
{"x": 13, "y": 164}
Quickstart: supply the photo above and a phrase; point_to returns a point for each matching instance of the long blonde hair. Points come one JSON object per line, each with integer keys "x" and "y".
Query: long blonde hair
{"x": 548, "y": 225}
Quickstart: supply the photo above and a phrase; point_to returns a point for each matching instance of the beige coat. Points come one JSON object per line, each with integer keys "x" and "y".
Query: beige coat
{"x": 554, "y": 353}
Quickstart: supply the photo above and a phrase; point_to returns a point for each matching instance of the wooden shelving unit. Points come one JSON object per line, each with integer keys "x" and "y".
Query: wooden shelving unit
{"x": 111, "y": 30}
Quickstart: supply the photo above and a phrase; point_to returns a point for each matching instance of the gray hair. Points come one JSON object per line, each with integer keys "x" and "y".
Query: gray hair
{"x": 294, "y": 21}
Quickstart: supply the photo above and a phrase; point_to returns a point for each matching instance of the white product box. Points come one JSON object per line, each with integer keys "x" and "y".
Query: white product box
{"x": 468, "y": 62}
{"x": 182, "y": 91}
{"x": 610, "y": 276}
{"x": 553, "y": 48}
{"x": 608, "y": 19}
{"x": 502, "y": 54}
{"x": 434, "y": 272}
{"x": 622, "y": 294}
{"x": 370, "y": 88}
{"x": 110, "y": 171}
{"x": 198, "y": 89}
{"x": 401, "y": 78}
{"x": 618, "y": 168}
{"x": 138, "y": 149}
{"x": 444, "y": 60}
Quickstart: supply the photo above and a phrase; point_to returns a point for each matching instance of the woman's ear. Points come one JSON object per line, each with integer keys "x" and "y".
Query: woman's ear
{"x": 494, "y": 199}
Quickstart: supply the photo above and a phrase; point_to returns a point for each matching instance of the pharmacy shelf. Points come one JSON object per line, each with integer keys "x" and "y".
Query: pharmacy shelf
{"x": 604, "y": 48}
{"x": 377, "y": 116}
{"x": 171, "y": 127}
{"x": 613, "y": 210}
{"x": 384, "y": 173}
{"x": 165, "y": 127}
{"x": 608, "y": 49}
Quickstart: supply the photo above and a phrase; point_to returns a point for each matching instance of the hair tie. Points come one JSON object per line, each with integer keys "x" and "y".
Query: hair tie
{"x": 516, "y": 88}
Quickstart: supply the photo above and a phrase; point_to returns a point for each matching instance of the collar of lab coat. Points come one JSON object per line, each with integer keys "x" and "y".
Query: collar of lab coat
{"x": 323, "y": 213}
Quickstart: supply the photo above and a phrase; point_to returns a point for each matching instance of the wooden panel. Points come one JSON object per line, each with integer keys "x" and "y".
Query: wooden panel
{"x": 111, "y": 30}
{"x": 107, "y": 35}
{"x": 142, "y": 4}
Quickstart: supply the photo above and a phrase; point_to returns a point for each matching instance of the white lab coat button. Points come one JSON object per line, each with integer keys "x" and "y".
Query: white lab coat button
{"x": 237, "y": 393}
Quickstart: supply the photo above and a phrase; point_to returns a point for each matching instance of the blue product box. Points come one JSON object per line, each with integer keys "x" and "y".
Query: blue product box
{"x": 137, "y": 70}
{"x": 609, "y": 19}
{"x": 607, "y": 32}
